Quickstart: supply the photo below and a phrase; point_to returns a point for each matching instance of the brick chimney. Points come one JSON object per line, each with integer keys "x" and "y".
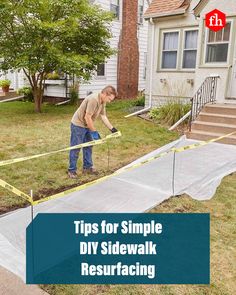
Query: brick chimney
{"x": 128, "y": 55}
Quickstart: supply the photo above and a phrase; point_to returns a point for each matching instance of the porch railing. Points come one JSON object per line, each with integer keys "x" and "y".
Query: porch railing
{"x": 205, "y": 94}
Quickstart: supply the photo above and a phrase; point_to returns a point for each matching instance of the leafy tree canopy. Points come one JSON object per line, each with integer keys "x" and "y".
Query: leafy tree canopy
{"x": 40, "y": 36}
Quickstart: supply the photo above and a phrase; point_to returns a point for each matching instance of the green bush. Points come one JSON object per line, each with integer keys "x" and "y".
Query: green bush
{"x": 74, "y": 96}
{"x": 27, "y": 92}
{"x": 139, "y": 101}
{"x": 53, "y": 76}
{"x": 170, "y": 113}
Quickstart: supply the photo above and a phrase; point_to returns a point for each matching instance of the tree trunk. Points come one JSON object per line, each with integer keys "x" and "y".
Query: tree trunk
{"x": 38, "y": 96}
{"x": 37, "y": 84}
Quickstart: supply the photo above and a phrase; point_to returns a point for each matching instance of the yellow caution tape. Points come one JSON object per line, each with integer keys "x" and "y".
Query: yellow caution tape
{"x": 75, "y": 189}
{"x": 202, "y": 143}
{"x": 15, "y": 191}
{"x": 26, "y": 197}
{"x": 90, "y": 143}
{"x": 178, "y": 150}
{"x": 81, "y": 187}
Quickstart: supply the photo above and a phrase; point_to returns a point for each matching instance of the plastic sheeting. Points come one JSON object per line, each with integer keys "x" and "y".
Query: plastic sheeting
{"x": 196, "y": 172}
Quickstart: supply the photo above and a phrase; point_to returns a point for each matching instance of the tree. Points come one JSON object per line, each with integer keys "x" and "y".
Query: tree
{"x": 40, "y": 36}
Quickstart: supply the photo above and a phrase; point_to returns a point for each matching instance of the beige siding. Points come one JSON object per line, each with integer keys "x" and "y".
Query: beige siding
{"x": 176, "y": 83}
{"x": 182, "y": 83}
{"x": 224, "y": 70}
{"x": 226, "y": 6}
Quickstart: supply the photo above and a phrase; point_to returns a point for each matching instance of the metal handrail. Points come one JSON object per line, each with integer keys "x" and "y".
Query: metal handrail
{"x": 205, "y": 94}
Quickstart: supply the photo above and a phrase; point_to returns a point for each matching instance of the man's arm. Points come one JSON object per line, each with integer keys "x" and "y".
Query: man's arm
{"x": 106, "y": 122}
{"x": 89, "y": 121}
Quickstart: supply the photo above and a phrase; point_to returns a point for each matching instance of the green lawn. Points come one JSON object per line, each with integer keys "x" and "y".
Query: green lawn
{"x": 25, "y": 133}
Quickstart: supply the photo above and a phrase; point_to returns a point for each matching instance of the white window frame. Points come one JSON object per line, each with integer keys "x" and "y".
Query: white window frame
{"x": 179, "y": 62}
{"x": 183, "y": 49}
{"x": 101, "y": 77}
{"x": 145, "y": 56}
{"x": 140, "y": 16}
{"x": 117, "y": 17}
{"x": 178, "y": 49}
{"x": 217, "y": 63}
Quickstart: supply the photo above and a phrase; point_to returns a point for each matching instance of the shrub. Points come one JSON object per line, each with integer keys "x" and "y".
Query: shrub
{"x": 27, "y": 92}
{"x": 5, "y": 83}
{"x": 74, "y": 96}
{"x": 139, "y": 101}
{"x": 170, "y": 113}
{"x": 53, "y": 76}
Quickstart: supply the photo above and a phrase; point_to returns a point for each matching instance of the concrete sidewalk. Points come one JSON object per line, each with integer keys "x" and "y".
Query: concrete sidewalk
{"x": 11, "y": 284}
{"x": 196, "y": 172}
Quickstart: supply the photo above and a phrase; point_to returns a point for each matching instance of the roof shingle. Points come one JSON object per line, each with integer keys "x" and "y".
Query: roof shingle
{"x": 165, "y": 6}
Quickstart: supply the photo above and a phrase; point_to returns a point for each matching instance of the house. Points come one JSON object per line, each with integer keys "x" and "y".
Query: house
{"x": 125, "y": 70}
{"x": 182, "y": 52}
{"x": 187, "y": 60}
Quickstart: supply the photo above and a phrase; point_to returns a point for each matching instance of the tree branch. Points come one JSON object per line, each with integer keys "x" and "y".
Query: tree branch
{"x": 28, "y": 77}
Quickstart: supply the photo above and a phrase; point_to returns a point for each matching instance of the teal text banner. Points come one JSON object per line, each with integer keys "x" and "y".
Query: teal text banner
{"x": 118, "y": 249}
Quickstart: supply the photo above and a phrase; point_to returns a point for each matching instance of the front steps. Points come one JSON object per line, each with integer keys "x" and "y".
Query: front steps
{"x": 214, "y": 121}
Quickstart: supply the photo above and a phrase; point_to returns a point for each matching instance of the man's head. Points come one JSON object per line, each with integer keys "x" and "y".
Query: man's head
{"x": 108, "y": 94}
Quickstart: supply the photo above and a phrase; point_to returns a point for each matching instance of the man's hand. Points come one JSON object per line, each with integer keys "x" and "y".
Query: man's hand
{"x": 114, "y": 130}
{"x": 95, "y": 135}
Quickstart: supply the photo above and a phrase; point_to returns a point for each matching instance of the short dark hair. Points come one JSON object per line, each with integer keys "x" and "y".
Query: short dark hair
{"x": 110, "y": 90}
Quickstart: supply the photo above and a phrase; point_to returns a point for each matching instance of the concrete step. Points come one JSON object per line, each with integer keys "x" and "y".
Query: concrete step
{"x": 202, "y": 135}
{"x": 217, "y": 118}
{"x": 213, "y": 127}
{"x": 223, "y": 109}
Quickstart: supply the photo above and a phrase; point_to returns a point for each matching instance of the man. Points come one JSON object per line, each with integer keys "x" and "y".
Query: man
{"x": 83, "y": 130}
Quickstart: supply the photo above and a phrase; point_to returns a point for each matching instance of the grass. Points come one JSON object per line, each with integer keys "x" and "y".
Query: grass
{"x": 25, "y": 133}
{"x": 222, "y": 208}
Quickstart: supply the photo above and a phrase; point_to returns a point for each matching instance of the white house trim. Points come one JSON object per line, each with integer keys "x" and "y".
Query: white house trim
{"x": 183, "y": 82}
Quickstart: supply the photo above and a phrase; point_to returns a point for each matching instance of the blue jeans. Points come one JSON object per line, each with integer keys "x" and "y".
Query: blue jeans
{"x": 80, "y": 135}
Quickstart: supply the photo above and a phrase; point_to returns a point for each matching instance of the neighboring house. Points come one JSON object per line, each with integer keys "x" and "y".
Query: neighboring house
{"x": 182, "y": 52}
{"x": 126, "y": 70}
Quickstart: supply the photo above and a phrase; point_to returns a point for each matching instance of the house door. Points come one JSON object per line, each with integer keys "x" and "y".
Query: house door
{"x": 233, "y": 81}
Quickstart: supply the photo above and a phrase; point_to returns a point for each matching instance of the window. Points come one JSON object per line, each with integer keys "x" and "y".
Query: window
{"x": 140, "y": 12}
{"x": 179, "y": 49}
{"x": 101, "y": 70}
{"x": 170, "y": 50}
{"x": 190, "y": 49}
{"x": 217, "y": 45}
{"x": 115, "y": 8}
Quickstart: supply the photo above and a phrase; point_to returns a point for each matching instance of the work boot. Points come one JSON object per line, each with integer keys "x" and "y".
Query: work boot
{"x": 90, "y": 170}
{"x": 72, "y": 174}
